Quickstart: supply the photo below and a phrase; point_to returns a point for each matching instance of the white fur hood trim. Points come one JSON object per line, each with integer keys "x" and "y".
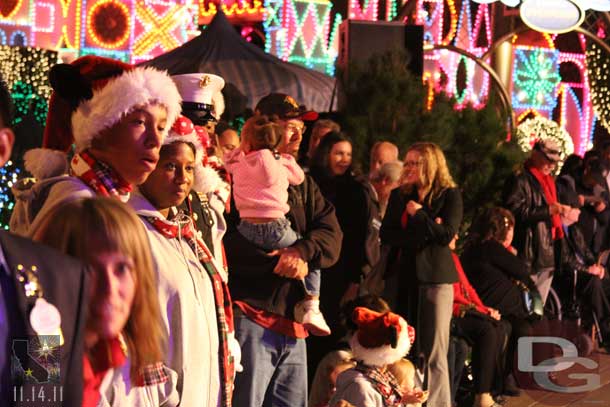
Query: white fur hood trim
{"x": 45, "y": 163}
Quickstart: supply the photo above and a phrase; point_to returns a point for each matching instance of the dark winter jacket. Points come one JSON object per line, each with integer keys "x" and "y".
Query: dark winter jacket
{"x": 251, "y": 276}
{"x": 523, "y": 196}
{"x": 425, "y": 243}
{"x": 492, "y": 271}
{"x": 358, "y": 215}
{"x": 575, "y": 254}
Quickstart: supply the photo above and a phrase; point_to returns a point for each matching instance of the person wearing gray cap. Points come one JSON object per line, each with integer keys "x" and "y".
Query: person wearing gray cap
{"x": 266, "y": 288}
{"x": 531, "y": 196}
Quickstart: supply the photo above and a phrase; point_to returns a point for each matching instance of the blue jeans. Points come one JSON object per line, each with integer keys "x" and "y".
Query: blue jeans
{"x": 274, "y": 235}
{"x": 275, "y": 368}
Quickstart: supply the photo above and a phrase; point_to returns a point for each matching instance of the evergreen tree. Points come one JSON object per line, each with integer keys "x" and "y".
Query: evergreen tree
{"x": 384, "y": 101}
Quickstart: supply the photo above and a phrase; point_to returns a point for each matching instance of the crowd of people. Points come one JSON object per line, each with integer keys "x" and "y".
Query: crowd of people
{"x": 180, "y": 262}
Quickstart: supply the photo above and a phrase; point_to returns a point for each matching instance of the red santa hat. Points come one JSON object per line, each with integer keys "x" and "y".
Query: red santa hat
{"x": 206, "y": 178}
{"x": 94, "y": 93}
{"x": 381, "y": 338}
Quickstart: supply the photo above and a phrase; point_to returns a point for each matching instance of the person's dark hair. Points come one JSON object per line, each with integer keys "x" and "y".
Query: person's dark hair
{"x": 221, "y": 126}
{"x": 320, "y": 161}
{"x": 590, "y": 155}
{"x": 491, "y": 223}
{"x": 572, "y": 166}
{"x": 6, "y": 105}
{"x": 264, "y": 132}
{"x": 171, "y": 148}
{"x": 370, "y": 301}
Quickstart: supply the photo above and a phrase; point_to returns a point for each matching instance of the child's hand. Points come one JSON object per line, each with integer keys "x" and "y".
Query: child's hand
{"x": 415, "y": 395}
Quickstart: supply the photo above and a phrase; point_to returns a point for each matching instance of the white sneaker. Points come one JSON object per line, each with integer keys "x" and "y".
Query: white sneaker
{"x": 307, "y": 312}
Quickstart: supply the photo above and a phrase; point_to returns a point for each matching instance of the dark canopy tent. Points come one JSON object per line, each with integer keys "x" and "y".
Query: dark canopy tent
{"x": 220, "y": 50}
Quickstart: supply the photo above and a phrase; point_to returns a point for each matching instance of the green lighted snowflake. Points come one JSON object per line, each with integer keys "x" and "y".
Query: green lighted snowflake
{"x": 535, "y": 78}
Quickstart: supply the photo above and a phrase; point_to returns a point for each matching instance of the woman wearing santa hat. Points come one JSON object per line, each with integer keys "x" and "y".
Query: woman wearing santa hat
{"x": 193, "y": 293}
{"x": 116, "y": 115}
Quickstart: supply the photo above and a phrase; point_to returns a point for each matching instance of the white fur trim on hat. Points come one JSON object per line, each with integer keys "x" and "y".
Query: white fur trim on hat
{"x": 45, "y": 163}
{"x": 137, "y": 87}
{"x": 382, "y": 355}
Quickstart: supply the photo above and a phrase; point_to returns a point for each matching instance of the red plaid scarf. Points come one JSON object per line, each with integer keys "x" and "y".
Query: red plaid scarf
{"x": 104, "y": 180}
{"x": 224, "y": 311}
{"x": 384, "y": 382}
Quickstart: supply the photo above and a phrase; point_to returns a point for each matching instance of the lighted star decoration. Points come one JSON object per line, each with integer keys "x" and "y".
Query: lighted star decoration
{"x": 536, "y": 77}
{"x": 598, "y": 5}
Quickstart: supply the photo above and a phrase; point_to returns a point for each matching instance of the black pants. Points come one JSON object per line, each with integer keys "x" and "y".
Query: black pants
{"x": 519, "y": 327}
{"x": 487, "y": 339}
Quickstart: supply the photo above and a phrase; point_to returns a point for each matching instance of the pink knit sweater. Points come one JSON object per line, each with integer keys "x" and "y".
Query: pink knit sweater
{"x": 260, "y": 182}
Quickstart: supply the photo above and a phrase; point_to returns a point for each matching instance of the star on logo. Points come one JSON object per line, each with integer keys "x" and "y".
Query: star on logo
{"x": 29, "y": 372}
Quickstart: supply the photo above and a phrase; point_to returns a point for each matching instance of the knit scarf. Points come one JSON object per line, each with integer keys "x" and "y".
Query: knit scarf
{"x": 547, "y": 182}
{"x": 183, "y": 228}
{"x": 104, "y": 180}
{"x": 384, "y": 382}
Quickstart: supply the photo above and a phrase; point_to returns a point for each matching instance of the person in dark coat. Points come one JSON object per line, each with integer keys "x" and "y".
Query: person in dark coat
{"x": 358, "y": 215}
{"x": 531, "y": 196}
{"x": 499, "y": 276}
{"x": 422, "y": 218}
{"x": 35, "y": 277}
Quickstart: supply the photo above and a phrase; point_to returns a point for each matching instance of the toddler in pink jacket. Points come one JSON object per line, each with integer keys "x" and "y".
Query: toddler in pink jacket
{"x": 261, "y": 177}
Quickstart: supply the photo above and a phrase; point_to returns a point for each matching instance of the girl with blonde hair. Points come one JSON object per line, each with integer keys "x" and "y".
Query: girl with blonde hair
{"x": 422, "y": 217}
{"x": 124, "y": 334}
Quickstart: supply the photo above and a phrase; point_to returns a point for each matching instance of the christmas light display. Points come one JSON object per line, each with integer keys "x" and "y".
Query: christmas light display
{"x": 130, "y": 30}
{"x": 444, "y": 25}
{"x": 25, "y": 69}
{"x": 598, "y": 64}
{"x": 108, "y": 24}
{"x": 299, "y": 31}
{"x": 535, "y": 78}
{"x": 8, "y": 176}
{"x": 246, "y": 10}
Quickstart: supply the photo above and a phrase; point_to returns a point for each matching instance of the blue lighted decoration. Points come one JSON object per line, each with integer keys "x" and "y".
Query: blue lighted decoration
{"x": 535, "y": 78}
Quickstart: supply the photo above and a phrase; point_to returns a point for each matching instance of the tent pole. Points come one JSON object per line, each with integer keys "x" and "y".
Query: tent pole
{"x": 332, "y": 97}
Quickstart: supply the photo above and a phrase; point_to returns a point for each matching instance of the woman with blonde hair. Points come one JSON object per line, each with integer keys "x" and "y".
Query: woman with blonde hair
{"x": 422, "y": 217}
{"x": 124, "y": 335}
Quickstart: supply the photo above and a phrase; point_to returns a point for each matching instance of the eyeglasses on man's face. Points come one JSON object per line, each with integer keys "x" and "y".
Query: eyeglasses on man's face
{"x": 296, "y": 127}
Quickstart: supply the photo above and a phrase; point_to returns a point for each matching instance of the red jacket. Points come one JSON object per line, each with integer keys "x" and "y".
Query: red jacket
{"x": 464, "y": 296}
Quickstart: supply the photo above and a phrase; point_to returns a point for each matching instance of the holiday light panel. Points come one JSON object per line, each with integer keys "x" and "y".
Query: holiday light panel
{"x": 130, "y": 30}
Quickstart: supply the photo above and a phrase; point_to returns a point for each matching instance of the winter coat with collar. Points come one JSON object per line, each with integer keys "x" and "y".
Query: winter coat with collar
{"x": 188, "y": 311}
{"x": 252, "y": 278}
{"x": 524, "y": 197}
{"x": 425, "y": 243}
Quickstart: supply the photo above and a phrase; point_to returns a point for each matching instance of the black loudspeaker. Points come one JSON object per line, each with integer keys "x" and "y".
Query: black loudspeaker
{"x": 360, "y": 40}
